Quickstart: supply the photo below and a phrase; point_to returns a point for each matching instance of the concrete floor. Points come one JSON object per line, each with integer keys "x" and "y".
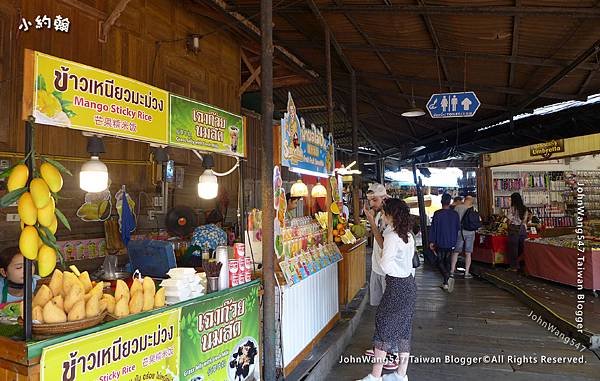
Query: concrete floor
{"x": 476, "y": 320}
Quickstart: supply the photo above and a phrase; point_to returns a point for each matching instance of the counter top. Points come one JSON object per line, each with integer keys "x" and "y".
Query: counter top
{"x": 34, "y": 348}
{"x": 353, "y": 246}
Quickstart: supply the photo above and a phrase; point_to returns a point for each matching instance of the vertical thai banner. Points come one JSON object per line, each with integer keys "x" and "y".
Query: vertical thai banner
{"x": 305, "y": 149}
{"x": 196, "y": 125}
{"x": 62, "y": 93}
{"x": 221, "y": 337}
{"x": 141, "y": 350}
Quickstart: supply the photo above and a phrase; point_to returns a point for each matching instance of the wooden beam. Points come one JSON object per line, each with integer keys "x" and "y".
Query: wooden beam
{"x": 471, "y": 86}
{"x": 249, "y": 65}
{"x": 315, "y": 10}
{"x": 320, "y": 108}
{"x": 506, "y": 11}
{"x": 585, "y": 83}
{"x": 514, "y": 50}
{"x": 436, "y": 43}
{"x": 542, "y": 91}
{"x": 112, "y": 18}
{"x": 255, "y": 32}
{"x": 329, "y": 82}
{"x": 249, "y": 81}
{"x": 394, "y": 94}
{"x": 509, "y": 59}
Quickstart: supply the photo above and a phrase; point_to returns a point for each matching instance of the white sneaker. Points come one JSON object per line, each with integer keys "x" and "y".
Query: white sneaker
{"x": 394, "y": 377}
{"x": 370, "y": 377}
{"x": 450, "y": 284}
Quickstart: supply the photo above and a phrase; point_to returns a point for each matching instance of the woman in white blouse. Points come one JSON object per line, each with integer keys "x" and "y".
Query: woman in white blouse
{"x": 393, "y": 320}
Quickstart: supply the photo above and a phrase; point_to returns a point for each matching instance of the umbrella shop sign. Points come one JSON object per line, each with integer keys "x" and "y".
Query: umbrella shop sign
{"x": 200, "y": 126}
{"x": 141, "y": 350}
{"x": 221, "y": 336}
{"x": 546, "y": 149}
{"x": 62, "y": 93}
{"x": 305, "y": 149}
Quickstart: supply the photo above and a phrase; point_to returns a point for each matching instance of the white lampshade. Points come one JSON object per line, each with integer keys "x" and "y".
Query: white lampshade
{"x": 319, "y": 191}
{"x": 93, "y": 176}
{"x": 208, "y": 188}
{"x": 299, "y": 189}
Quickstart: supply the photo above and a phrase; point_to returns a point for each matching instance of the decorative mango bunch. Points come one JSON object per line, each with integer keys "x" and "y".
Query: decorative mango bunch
{"x": 36, "y": 205}
{"x": 142, "y": 296}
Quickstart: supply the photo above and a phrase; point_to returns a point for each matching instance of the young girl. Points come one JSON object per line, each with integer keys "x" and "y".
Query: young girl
{"x": 393, "y": 319}
{"x": 11, "y": 269}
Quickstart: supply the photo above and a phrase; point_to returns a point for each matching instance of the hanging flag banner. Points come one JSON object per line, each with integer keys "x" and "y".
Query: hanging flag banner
{"x": 145, "y": 349}
{"x": 203, "y": 127}
{"x": 305, "y": 149}
{"x": 62, "y": 93}
{"x": 221, "y": 337}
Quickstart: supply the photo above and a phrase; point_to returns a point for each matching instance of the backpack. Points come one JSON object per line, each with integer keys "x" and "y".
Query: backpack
{"x": 471, "y": 221}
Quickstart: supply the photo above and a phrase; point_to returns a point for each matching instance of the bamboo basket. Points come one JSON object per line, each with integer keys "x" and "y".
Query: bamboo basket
{"x": 53, "y": 329}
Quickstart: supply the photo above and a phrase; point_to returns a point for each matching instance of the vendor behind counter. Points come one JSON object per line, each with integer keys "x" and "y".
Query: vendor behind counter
{"x": 205, "y": 238}
{"x": 11, "y": 269}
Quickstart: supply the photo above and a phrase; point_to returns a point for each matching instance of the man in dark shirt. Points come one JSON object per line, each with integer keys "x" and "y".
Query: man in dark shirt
{"x": 442, "y": 239}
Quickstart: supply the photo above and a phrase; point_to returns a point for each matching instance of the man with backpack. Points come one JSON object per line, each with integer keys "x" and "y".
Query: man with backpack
{"x": 470, "y": 221}
{"x": 442, "y": 239}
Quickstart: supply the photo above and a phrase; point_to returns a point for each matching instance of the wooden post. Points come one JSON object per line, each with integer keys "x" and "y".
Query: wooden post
{"x": 266, "y": 75}
{"x": 422, "y": 215}
{"x": 381, "y": 166}
{"x": 329, "y": 81}
{"x": 355, "y": 178}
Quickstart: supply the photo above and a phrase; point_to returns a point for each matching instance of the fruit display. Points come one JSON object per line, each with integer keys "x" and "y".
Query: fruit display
{"x": 348, "y": 237}
{"x": 338, "y": 231}
{"x": 140, "y": 296}
{"x": 359, "y": 230}
{"x": 36, "y": 206}
{"x": 321, "y": 218}
{"x": 69, "y": 297}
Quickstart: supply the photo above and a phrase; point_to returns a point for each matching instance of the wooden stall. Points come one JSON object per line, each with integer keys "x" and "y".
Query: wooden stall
{"x": 352, "y": 273}
{"x": 137, "y": 47}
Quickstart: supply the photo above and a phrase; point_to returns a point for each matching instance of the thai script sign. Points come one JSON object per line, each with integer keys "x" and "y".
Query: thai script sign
{"x": 305, "y": 148}
{"x": 200, "y": 126}
{"x": 68, "y": 94}
{"x": 143, "y": 349}
{"x": 221, "y": 337}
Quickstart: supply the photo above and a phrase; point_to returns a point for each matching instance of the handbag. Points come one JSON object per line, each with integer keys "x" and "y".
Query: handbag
{"x": 416, "y": 261}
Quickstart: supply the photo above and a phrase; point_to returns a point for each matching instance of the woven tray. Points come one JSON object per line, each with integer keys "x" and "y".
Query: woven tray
{"x": 52, "y": 329}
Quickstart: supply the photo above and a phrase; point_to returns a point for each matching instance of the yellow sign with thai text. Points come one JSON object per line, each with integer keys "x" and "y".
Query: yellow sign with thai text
{"x": 145, "y": 349}
{"x": 69, "y": 94}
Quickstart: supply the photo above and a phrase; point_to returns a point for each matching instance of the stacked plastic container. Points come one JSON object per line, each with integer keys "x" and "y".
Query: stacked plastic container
{"x": 183, "y": 284}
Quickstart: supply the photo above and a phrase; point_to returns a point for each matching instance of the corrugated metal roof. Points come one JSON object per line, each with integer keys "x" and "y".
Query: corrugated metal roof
{"x": 503, "y": 52}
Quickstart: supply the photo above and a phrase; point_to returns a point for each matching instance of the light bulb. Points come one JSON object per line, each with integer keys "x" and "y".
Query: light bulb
{"x": 318, "y": 191}
{"x": 299, "y": 189}
{"x": 93, "y": 176}
{"x": 208, "y": 188}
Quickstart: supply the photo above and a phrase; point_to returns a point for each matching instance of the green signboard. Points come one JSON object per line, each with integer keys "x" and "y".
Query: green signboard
{"x": 145, "y": 349}
{"x": 220, "y": 337}
{"x": 196, "y": 125}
